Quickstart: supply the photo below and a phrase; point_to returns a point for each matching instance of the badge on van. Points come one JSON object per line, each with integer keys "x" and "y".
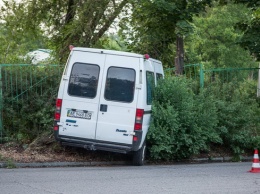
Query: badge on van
{"x": 79, "y": 114}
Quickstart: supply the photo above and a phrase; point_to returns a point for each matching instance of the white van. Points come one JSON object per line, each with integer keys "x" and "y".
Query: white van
{"x": 104, "y": 101}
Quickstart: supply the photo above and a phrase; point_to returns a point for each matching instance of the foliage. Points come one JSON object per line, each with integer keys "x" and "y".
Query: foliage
{"x": 154, "y": 25}
{"x": 215, "y": 41}
{"x": 29, "y": 104}
{"x": 10, "y": 164}
{"x": 238, "y": 115}
{"x": 187, "y": 122}
{"x": 68, "y": 22}
{"x": 251, "y": 39}
{"x": 183, "y": 123}
{"x": 16, "y": 39}
{"x": 112, "y": 42}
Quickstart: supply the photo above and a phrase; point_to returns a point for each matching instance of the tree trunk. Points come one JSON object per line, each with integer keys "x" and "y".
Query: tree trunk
{"x": 70, "y": 12}
{"x": 179, "y": 59}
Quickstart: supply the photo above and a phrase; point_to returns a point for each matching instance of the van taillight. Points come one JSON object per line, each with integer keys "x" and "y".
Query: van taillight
{"x": 56, "y": 127}
{"x": 58, "y": 103}
{"x": 135, "y": 138}
{"x": 57, "y": 116}
{"x": 57, "y": 113}
{"x": 139, "y": 119}
{"x": 58, "y": 109}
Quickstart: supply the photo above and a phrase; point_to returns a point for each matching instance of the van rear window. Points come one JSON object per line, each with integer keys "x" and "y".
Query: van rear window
{"x": 83, "y": 80}
{"x": 120, "y": 84}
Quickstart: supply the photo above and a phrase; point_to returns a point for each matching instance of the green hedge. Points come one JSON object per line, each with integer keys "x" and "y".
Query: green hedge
{"x": 29, "y": 94}
{"x": 187, "y": 121}
{"x": 238, "y": 115}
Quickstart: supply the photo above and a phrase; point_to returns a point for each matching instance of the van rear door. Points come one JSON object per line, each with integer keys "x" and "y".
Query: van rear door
{"x": 80, "y": 102}
{"x": 118, "y": 99}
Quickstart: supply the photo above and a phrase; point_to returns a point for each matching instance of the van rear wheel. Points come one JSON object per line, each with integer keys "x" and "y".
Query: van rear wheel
{"x": 139, "y": 156}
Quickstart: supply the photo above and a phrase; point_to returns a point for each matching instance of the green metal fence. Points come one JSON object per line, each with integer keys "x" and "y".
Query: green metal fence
{"x": 191, "y": 71}
{"x": 224, "y": 75}
{"x": 20, "y": 85}
{"x": 206, "y": 77}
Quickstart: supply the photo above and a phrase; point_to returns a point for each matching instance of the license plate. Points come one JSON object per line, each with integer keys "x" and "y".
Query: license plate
{"x": 79, "y": 114}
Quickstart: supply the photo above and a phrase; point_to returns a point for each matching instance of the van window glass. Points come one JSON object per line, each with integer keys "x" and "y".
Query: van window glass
{"x": 83, "y": 80}
{"x": 158, "y": 76}
{"x": 120, "y": 84}
{"x": 149, "y": 86}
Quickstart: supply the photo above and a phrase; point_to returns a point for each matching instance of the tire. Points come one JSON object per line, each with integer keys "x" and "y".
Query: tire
{"x": 139, "y": 156}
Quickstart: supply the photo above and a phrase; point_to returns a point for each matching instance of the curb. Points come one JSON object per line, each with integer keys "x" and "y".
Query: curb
{"x": 95, "y": 163}
{"x": 2, "y": 165}
{"x": 220, "y": 159}
{"x": 60, "y": 164}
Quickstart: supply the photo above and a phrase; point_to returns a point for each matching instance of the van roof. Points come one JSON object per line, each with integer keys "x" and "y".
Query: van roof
{"x": 112, "y": 52}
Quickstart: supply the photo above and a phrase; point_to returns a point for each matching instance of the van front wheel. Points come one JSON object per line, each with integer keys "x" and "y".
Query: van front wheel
{"x": 139, "y": 156}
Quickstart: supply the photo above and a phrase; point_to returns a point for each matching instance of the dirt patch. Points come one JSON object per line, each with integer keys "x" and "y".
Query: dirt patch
{"x": 46, "y": 149}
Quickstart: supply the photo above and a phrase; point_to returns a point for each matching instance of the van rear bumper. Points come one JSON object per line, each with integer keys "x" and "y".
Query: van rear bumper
{"x": 91, "y": 144}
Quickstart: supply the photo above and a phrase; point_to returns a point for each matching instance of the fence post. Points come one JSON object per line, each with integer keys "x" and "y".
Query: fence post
{"x": 258, "y": 83}
{"x": 1, "y": 106}
{"x": 201, "y": 77}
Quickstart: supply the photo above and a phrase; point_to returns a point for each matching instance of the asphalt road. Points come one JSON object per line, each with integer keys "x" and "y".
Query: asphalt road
{"x": 191, "y": 179}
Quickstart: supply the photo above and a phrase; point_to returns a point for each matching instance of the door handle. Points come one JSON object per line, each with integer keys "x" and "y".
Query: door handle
{"x": 103, "y": 108}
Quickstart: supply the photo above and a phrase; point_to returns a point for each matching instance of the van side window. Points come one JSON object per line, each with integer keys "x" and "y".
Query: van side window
{"x": 120, "y": 84}
{"x": 83, "y": 80}
{"x": 149, "y": 85}
{"x": 158, "y": 76}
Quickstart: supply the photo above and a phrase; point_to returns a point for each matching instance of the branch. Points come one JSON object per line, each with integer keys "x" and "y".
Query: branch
{"x": 108, "y": 22}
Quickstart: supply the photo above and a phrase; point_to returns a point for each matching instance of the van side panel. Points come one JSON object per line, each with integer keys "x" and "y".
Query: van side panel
{"x": 158, "y": 69}
{"x": 150, "y": 67}
{"x": 143, "y": 97}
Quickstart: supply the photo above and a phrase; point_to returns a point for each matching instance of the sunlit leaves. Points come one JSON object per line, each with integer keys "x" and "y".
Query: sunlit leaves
{"x": 216, "y": 39}
{"x": 81, "y": 23}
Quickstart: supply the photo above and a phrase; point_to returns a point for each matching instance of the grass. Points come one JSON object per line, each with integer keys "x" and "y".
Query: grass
{"x": 8, "y": 162}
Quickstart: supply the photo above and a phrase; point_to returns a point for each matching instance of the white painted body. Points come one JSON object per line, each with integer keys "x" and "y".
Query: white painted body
{"x": 115, "y": 125}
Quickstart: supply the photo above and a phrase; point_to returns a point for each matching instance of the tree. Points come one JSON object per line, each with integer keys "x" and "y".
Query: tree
{"x": 155, "y": 26}
{"x": 215, "y": 41}
{"x": 16, "y": 40}
{"x": 77, "y": 22}
{"x": 112, "y": 42}
{"x": 251, "y": 38}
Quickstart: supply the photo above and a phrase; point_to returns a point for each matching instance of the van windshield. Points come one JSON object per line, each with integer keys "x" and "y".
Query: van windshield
{"x": 83, "y": 80}
{"x": 120, "y": 84}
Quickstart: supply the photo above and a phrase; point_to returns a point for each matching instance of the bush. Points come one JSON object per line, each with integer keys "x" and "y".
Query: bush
{"x": 29, "y": 94}
{"x": 183, "y": 123}
{"x": 186, "y": 123}
{"x": 238, "y": 115}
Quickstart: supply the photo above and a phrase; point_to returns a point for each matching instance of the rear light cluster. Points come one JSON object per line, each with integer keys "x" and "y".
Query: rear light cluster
{"x": 57, "y": 113}
{"x": 138, "y": 122}
{"x": 139, "y": 119}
